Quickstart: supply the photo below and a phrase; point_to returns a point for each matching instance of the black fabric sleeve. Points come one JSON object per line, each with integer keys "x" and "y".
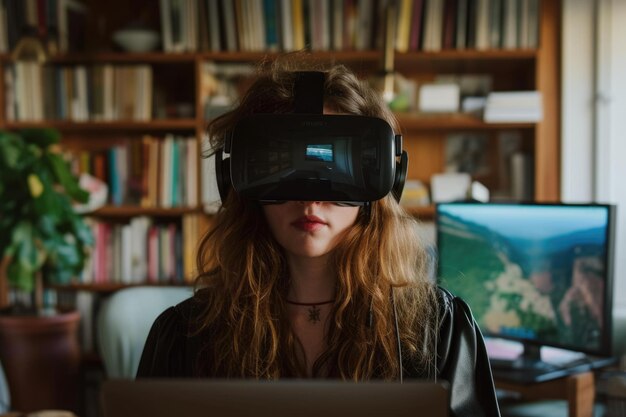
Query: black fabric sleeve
{"x": 164, "y": 351}
{"x": 464, "y": 362}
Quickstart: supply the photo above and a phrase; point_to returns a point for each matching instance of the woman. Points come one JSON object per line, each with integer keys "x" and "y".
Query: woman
{"x": 310, "y": 289}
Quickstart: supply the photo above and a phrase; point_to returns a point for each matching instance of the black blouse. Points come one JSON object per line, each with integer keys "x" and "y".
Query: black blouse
{"x": 462, "y": 360}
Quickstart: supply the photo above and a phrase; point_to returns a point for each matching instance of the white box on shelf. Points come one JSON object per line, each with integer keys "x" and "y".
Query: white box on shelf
{"x": 479, "y": 192}
{"x": 449, "y": 186}
{"x": 439, "y": 98}
{"x": 514, "y": 107}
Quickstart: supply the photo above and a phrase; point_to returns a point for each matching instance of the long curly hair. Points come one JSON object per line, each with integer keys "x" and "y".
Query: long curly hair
{"x": 242, "y": 281}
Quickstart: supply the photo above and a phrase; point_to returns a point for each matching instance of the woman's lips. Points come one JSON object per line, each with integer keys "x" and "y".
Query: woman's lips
{"x": 308, "y": 223}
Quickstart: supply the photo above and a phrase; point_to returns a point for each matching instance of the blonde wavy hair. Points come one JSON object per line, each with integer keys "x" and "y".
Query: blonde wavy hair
{"x": 242, "y": 282}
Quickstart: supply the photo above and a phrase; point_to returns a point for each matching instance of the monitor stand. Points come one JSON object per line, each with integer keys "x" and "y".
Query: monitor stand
{"x": 529, "y": 367}
{"x": 529, "y": 360}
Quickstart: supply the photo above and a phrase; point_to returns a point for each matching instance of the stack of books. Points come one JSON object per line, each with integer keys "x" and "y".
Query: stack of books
{"x": 514, "y": 107}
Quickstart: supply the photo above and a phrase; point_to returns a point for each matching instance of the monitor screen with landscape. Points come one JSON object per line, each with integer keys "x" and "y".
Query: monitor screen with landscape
{"x": 537, "y": 273}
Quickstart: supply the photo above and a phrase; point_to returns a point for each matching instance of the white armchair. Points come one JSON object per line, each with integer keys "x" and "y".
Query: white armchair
{"x": 124, "y": 321}
{"x": 5, "y": 399}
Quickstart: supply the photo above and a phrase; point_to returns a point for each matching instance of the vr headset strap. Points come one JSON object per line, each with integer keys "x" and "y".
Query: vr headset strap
{"x": 308, "y": 92}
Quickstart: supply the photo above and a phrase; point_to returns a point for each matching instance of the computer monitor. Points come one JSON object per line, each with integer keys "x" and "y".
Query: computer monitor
{"x": 540, "y": 274}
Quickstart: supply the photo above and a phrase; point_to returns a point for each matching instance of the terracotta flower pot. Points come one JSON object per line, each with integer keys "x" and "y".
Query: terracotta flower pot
{"x": 4, "y": 283}
{"x": 41, "y": 359}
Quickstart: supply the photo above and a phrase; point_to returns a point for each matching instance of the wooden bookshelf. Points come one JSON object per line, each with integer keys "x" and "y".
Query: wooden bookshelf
{"x": 548, "y": 132}
{"x": 170, "y": 125}
{"x": 180, "y": 75}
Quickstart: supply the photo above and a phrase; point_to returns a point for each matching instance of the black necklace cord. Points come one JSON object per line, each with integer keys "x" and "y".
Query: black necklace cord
{"x": 309, "y": 304}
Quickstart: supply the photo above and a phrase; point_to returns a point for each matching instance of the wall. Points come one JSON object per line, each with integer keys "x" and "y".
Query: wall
{"x": 594, "y": 122}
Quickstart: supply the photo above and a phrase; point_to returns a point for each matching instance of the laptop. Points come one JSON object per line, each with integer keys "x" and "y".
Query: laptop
{"x": 284, "y": 398}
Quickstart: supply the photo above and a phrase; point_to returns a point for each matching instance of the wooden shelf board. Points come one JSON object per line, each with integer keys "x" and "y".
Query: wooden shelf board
{"x": 169, "y": 124}
{"x": 407, "y": 121}
{"x": 239, "y": 56}
{"x": 415, "y": 121}
{"x": 125, "y": 58}
{"x": 422, "y": 213}
{"x": 466, "y": 54}
{"x": 131, "y": 211}
{"x": 109, "y": 287}
{"x": 243, "y": 56}
{"x": 343, "y": 56}
{"x": 467, "y": 61}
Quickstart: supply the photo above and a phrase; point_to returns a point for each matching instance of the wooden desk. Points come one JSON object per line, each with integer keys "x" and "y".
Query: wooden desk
{"x": 578, "y": 390}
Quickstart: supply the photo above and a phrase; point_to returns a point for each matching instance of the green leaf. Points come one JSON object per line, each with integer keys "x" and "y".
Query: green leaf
{"x": 11, "y": 147}
{"x": 22, "y": 231}
{"x": 47, "y": 224}
{"x": 67, "y": 254}
{"x": 20, "y": 277}
{"x": 49, "y": 204}
{"x": 59, "y": 276}
{"x": 65, "y": 177}
{"x": 27, "y": 253}
{"x": 83, "y": 231}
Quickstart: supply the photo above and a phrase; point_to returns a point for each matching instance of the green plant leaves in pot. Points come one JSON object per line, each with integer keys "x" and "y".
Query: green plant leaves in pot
{"x": 39, "y": 229}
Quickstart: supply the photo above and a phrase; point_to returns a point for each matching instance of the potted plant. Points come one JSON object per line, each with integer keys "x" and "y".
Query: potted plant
{"x": 42, "y": 238}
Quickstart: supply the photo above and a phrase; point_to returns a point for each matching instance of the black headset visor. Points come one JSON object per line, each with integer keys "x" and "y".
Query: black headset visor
{"x": 313, "y": 157}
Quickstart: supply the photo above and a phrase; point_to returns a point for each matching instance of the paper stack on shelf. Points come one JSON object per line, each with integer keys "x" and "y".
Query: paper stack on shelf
{"x": 514, "y": 107}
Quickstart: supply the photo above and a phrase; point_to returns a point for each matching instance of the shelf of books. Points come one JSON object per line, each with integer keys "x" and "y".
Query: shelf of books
{"x": 134, "y": 121}
{"x": 143, "y": 251}
{"x": 221, "y": 25}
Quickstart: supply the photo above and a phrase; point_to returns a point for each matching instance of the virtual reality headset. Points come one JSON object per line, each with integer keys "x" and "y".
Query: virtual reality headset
{"x": 312, "y": 157}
